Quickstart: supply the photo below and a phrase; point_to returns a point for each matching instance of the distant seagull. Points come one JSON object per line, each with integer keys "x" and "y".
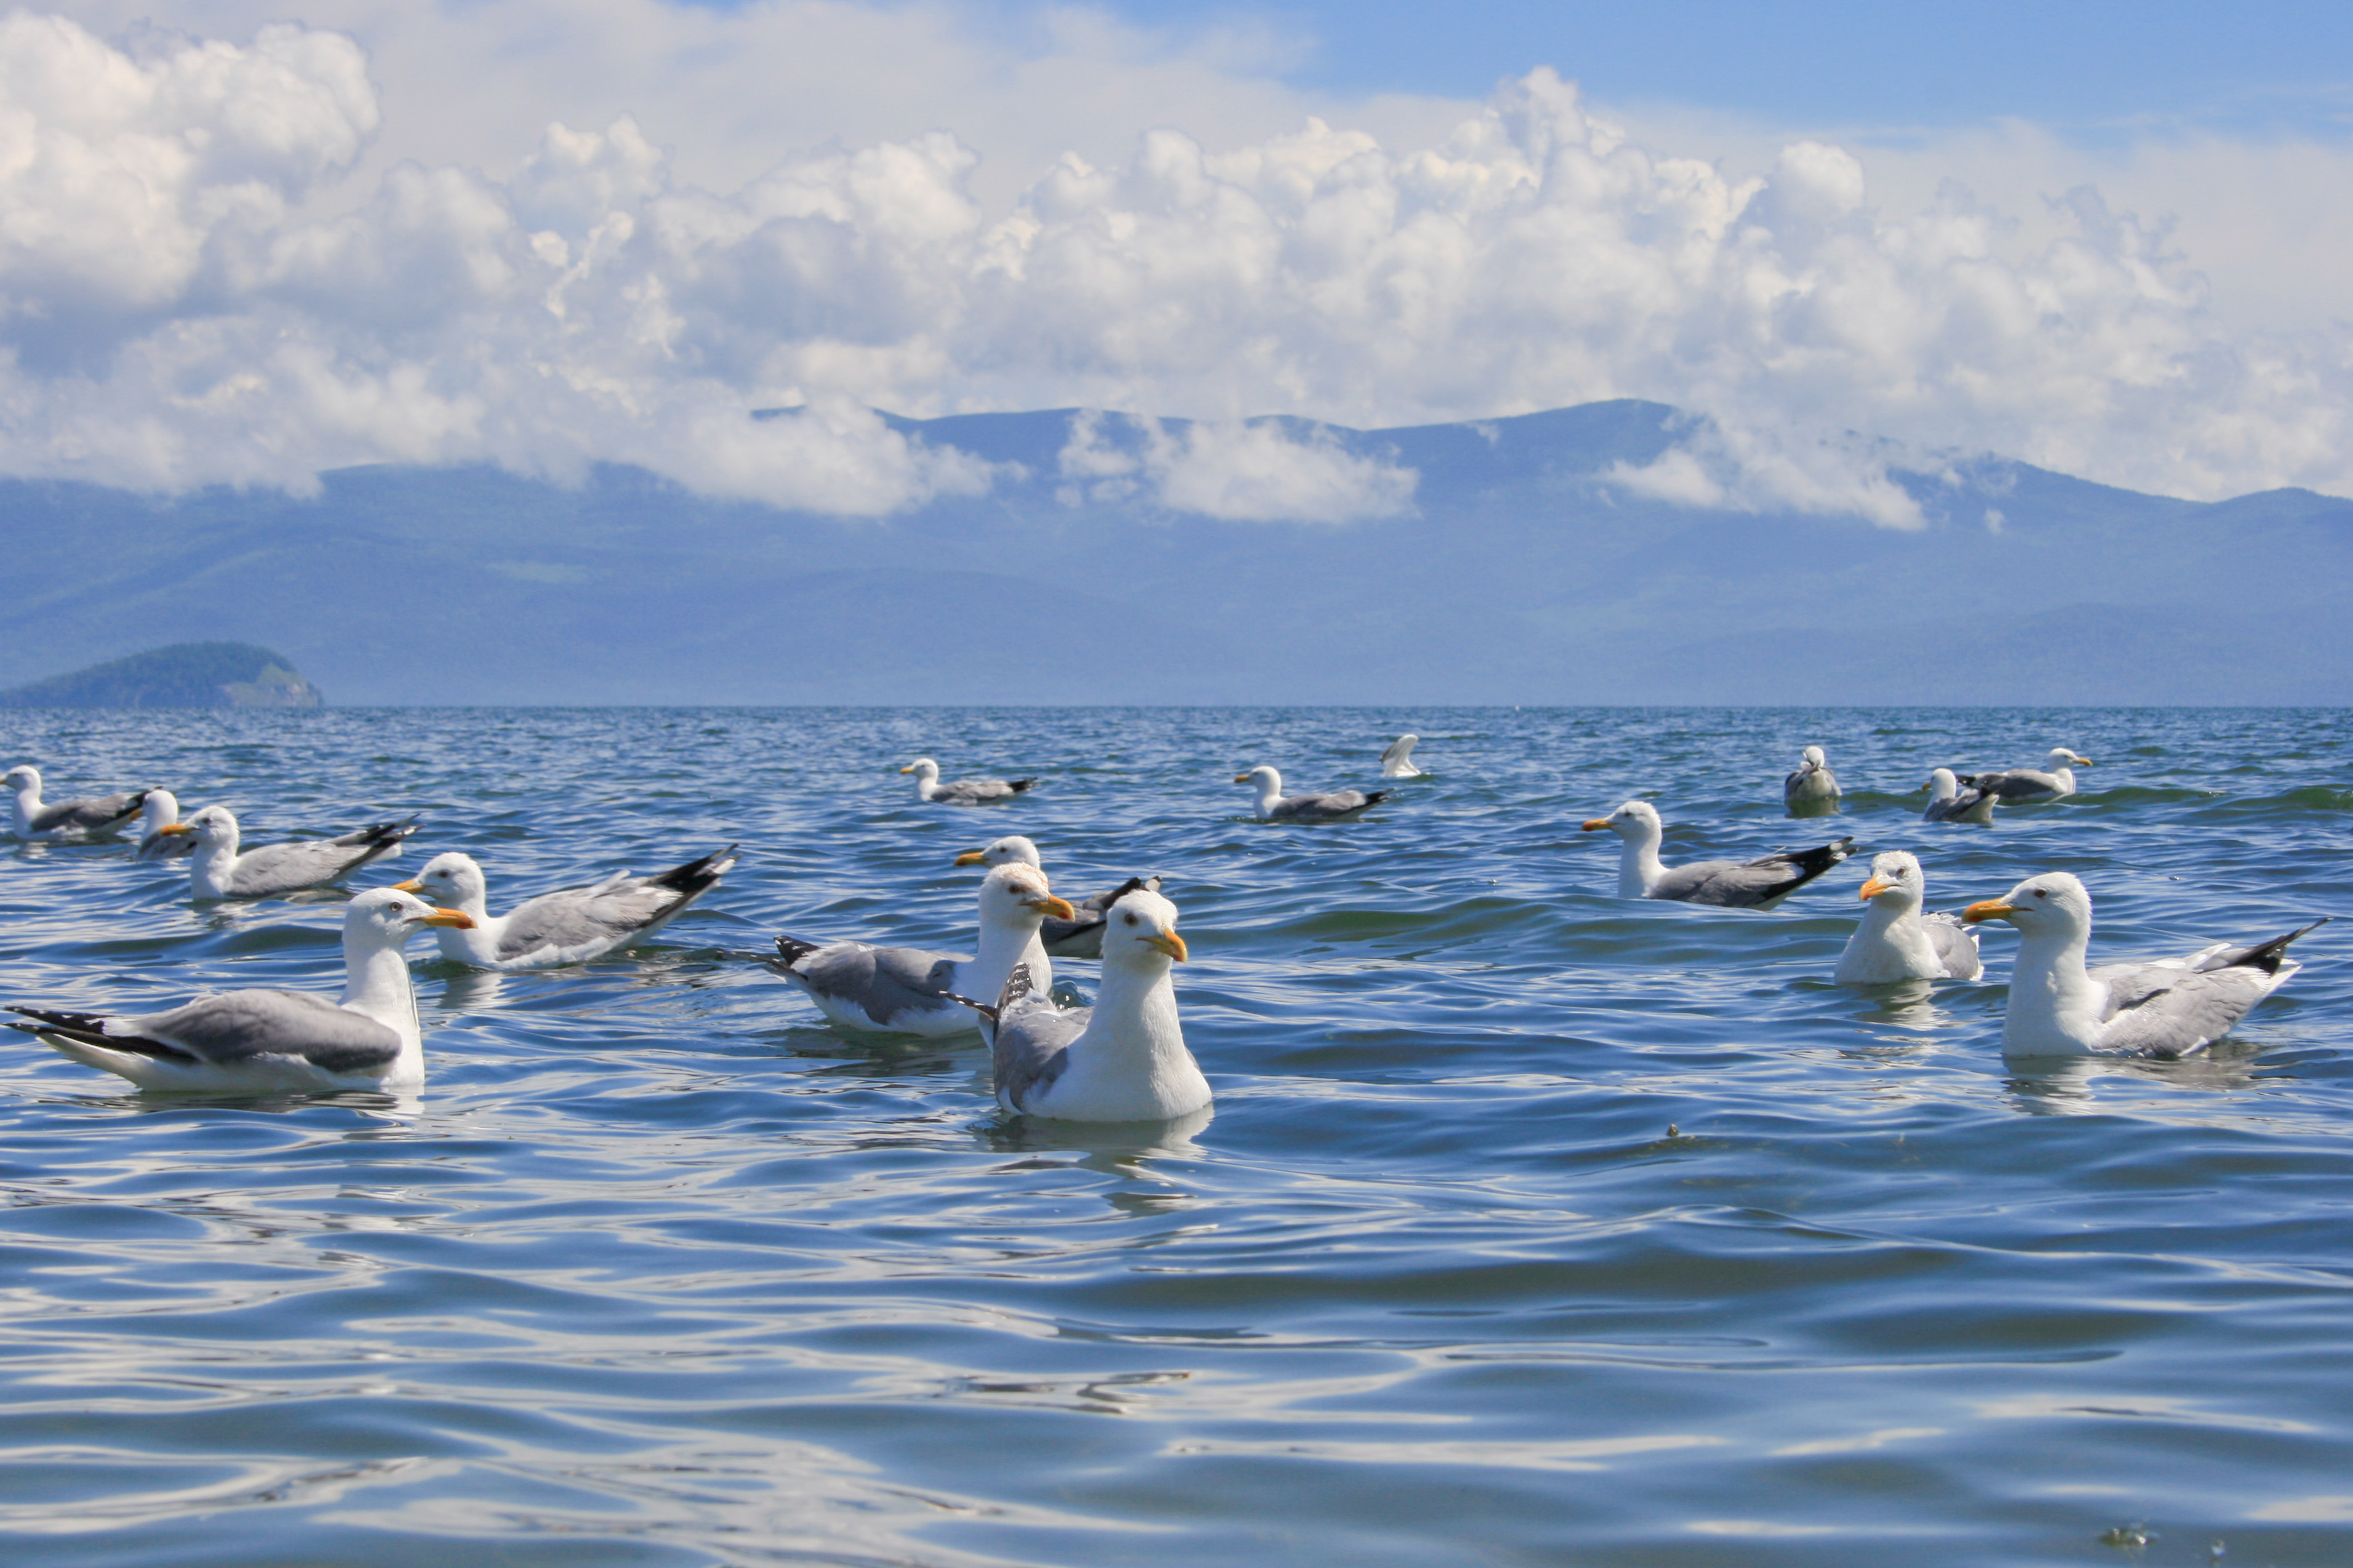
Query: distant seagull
{"x": 2168, "y": 1008}
{"x": 68, "y": 821}
{"x": 1813, "y": 789}
{"x": 908, "y": 990}
{"x": 217, "y": 870}
{"x": 571, "y": 925}
{"x": 1080, "y": 936}
{"x": 262, "y": 1041}
{"x": 1123, "y": 1059}
{"x": 1757, "y": 884}
{"x": 1894, "y": 941}
{"x": 1340, "y": 805}
{"x": 1396, "y": 763}
{"x": 159, "y": 811}
{"x": 2019, "y": 787}
{"x": 962, "y": 791}
{"x": 1949, "y": 802}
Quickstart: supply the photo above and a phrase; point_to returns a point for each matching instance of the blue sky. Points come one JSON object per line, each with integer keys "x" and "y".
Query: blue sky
{"x": 245, "y": 241}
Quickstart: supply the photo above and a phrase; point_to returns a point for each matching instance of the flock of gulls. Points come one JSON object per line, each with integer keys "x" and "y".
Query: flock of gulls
{"x": 1123, "y": 1058}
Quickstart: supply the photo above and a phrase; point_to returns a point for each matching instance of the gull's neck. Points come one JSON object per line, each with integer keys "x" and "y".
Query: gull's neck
{"x": 1269, "y": 793}
{"x": 926, "y": 785}
{"x": 481, "y": 944}
{"x": 2055, "y": 1004}
{"x": 155, "y": 814}
{"x": 1130, "y": 1063}
{"x": 212, "y": 865}
{"x": 1945, "y": 786}
{"x": 1002, "y": 947}
{"x": 375, "y": 986}
{"x": 1892, "y": 943}
{"x": 1638, "y": 866}
{"x": 28, "y": 805}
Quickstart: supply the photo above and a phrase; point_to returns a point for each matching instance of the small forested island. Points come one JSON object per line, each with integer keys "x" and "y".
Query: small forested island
{"x": 185, "y": 675}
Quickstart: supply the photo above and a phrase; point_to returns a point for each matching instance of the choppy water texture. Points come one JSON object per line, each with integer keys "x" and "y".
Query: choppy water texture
{"x": 657, "y": 1270}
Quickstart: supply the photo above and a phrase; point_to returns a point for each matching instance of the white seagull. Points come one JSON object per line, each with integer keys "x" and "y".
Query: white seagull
{"x": 1080, "y": 936}
{"x": 907, "y": 990}
{"x": 1339, "y": 805}
{"x": 2018, "y": 786}
{"x": 273, "y": 1041}
{"x": 217, "y": 870}
{"x": 571, "y": 925}
{"x": 1949, "y": 802}
{"x": 1894, "y": 941}
{"x": 1123, "y": 1059}
{"x": 962, "y": 791}
{"x": 2168, "y": 1007}
{"x": 68, "y": 821}
{"x": 1813, "y": 789}
{"x": 159, "y": 811}
{"x": 1396, "y": 763}
{"x": 1757, "y": 884}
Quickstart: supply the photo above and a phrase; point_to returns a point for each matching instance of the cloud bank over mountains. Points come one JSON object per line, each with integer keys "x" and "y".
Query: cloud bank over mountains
{"x": 196, "y": 289}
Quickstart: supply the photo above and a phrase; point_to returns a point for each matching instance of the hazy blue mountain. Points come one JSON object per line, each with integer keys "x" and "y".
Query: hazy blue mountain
{"x": 185, "y": 675}
{"x": 1518, "y": 577}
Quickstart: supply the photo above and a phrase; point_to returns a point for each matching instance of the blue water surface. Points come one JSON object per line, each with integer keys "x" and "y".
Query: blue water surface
{"x": 1531, "y": 1225}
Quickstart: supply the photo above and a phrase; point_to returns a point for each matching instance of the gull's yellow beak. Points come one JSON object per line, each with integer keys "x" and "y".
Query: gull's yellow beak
{"x": 174, "y": 829}
{"x": 1595, "y": 824}
{"x": 457, "y": 919}
{"x": 2080, "y": 762}
{"x": 1988, "y": 910}
{"x": 907, "y": 769}
{"x": 1242, "y": 778}
{"x": 414, "y": 885}
{"x": 1172, "y": 944}
{"x": 1058, "y": 908}
{"x": 970, "y": 857}
{"x": 1873, "y": 888}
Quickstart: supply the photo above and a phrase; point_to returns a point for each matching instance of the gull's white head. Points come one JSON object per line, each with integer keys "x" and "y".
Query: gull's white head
{"x": 2054, "y": 904}
{"x": 450, "y": 878}
{"x": 24, "y": 776}
{"x": 1943, "y": 785}
{"x": 2060, "y": 757}
{"x": 1010, "y": 850}
{"x": 1017, "y": 894}
{"x": 922, "y": 768}
{"x": 1263, "y": 778}
{"x": 213, "y": 824}
{"x": 387, "y": 915}
{"x": 1896, "y": 881}
{"x": 1635, "y": 819}
{"x": 1812, "y": 757}
{"x": 1140, "y": 932}
{"x": 158, "y": 807}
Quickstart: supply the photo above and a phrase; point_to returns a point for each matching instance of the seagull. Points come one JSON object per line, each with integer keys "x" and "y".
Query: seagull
{"x": 217, "y": 871}
{"x": 962, "y": 791}
{"x": 156, "y": 813}
{"x": 571, "y": 925}
{"x": 1949, "y": 802}
{"x": 1894, "y": 941}
{"x": 265, "y": 1041}
{"x": 2167, "y": 1009}
{"x": 2016, "y": 786}
{"x": 68, "y": 821}
{"x": 1078, "y": 937}
{"x": 906, "y": 989}
{"x": 1813, "y": 789}
{"x": 1756, "y": 884}
{"x": 1123, "y": 1059}
{"x": 1274, "y": 805}
{"x": 1396, "y": 763}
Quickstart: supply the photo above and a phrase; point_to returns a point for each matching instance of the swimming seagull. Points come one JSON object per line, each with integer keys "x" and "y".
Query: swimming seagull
{"x": 1078, "y": 937}
{"x": 261, "y": 1041}
{"x": 1123, "y": 1059}
{"x": 156, "y": 813}
{"x": 1949, "y": 802}
{"x": 1894, "y": 941}
{"x": 1396, "y": 763}
{"x": 962, "y": 791}
{"x": 1756, "y": 884}
{"x": 571, "y": 925}
{"x": 1813, "y": 789}
{"x": 217, "y": 870}
{"x": 68, "y": 821}
{"x": 2016, "y": 786}
{"x": 2167, "y": 1009}
{"x": 1340, "y": 805}
{"x": 906, "y": 989}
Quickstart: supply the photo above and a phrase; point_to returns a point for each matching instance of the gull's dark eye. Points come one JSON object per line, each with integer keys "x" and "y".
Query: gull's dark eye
{"x": 2042, "y": 893}
{"x": 1129, "y": 919}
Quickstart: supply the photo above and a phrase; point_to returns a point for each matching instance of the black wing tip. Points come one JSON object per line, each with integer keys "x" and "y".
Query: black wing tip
{"x": 696, "y": 876}
{"x": 793, "y": 949}
{"x": 2268, "y": 956}
{"x": 1018, "y": 984}
{"x": 986, "y": 1010}
{"x": 1374, "y": 797}
{"x": 1018, "y": 785}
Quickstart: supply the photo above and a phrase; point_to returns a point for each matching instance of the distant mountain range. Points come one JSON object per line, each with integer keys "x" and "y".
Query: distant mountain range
{"x": 1514, "y": 574}
{"x": 185, "y": 675}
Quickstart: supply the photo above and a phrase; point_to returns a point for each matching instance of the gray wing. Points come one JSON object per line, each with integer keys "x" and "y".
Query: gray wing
{"x": 1082, "y": 937}
{"x": 1956, "y": 944}
{"x": 1032, "y": 1048}
{"x": 2015, "y": 783}
{"x": 237, "y": 1026}
{"x": 165, "y": 846}
{"x": 1328, "y": 807}
{"x": 95, "y": 815}
{"x": 1967, "y": 805}
{"x": 1748, "y": 884}
{"x": 879, "y": 981}
{"x": 2163, "y": 1010}
{"x": 307, "y": 863}
{"x": 573, "y": 918}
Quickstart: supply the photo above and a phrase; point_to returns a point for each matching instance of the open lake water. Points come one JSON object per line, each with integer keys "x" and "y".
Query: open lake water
{"x": 659, "y": 1270}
